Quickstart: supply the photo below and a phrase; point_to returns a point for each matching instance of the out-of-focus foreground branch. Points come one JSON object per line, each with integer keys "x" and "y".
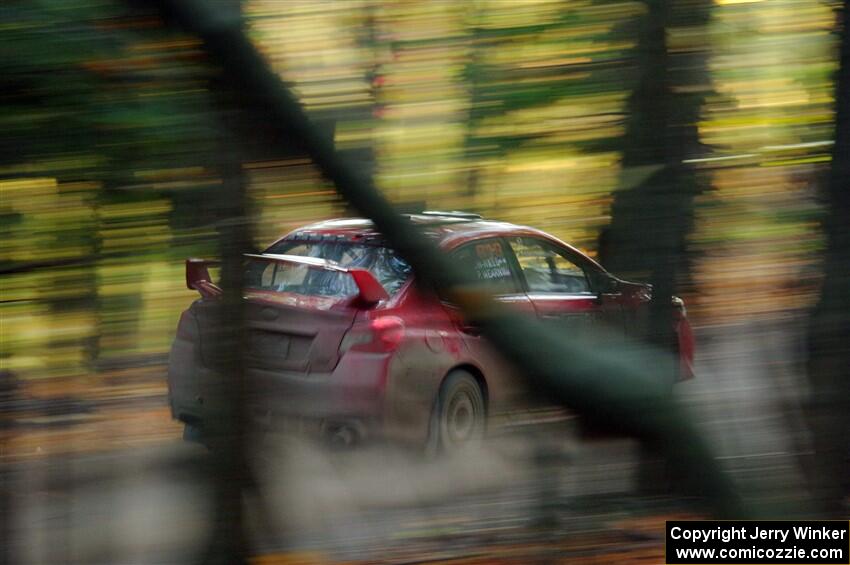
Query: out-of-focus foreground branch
{"x": 620, "y": 392}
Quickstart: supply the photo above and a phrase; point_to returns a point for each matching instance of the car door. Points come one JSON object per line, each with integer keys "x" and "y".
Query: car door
{"x": 557, "y": 284}
{"x": 495, "y": 272}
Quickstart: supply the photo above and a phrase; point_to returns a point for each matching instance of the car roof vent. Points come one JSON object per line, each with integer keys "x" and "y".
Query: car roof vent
{"x": 452, "y": 214}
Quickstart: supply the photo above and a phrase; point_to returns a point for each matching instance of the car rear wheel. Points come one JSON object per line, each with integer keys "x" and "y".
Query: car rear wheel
{"x": 459, "y": 414}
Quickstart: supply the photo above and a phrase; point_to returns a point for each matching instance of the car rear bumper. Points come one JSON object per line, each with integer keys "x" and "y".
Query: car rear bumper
{"x": 313, "y": 394}
{"x": 352, "y": 395}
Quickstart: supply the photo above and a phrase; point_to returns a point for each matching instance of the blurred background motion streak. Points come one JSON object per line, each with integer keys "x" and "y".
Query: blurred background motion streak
{"x": 701, "y": 146}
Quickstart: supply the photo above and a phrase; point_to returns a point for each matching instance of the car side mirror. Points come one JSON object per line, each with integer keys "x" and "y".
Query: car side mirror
{"x": 608, "y": 284}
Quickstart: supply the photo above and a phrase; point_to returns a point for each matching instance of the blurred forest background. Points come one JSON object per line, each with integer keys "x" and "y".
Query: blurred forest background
{"x": 688, "y": 143}
{"x": 517, "y": 110}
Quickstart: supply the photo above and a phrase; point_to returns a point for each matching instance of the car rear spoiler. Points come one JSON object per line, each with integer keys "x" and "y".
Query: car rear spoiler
{"x": 370, "y": 291}
{"x": 198, "y": 277}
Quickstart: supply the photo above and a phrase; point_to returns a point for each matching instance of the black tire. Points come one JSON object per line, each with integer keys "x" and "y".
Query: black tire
{"x": 459, "y": 416}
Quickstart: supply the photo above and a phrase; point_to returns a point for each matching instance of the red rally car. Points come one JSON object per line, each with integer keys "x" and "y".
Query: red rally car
{"x": 339, "y": 335}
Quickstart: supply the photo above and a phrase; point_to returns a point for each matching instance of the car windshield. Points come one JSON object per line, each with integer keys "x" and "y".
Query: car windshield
{"x": 390, "y": 270}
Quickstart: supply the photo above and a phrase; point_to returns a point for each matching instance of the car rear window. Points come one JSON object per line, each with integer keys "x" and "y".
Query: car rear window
{"x": 390, "y": 270}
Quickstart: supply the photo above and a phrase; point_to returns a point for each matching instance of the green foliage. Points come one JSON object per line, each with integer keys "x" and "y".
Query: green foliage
{"x": 87, "y": 93}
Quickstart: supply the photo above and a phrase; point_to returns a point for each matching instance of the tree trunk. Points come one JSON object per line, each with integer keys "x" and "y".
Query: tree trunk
{"x": 652, "y": 216}
{"x": 227, "y": 433}
{"x": 829, "y": 331}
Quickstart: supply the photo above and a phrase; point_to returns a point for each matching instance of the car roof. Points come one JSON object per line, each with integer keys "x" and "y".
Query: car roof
{"x": 449, "y": 230}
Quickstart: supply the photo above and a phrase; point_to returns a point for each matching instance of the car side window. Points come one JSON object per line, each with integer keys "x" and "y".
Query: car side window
{"x": 489, "y": 264}
{"x": 547, "y": 268}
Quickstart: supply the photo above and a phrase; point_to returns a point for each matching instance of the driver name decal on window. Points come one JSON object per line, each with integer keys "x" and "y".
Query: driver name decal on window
{"x": 492, "y": 263}
{"x": 489, "y": 264}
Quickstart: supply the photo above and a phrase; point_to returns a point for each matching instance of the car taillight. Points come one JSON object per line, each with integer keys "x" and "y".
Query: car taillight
{"x": 377, "y": 336}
